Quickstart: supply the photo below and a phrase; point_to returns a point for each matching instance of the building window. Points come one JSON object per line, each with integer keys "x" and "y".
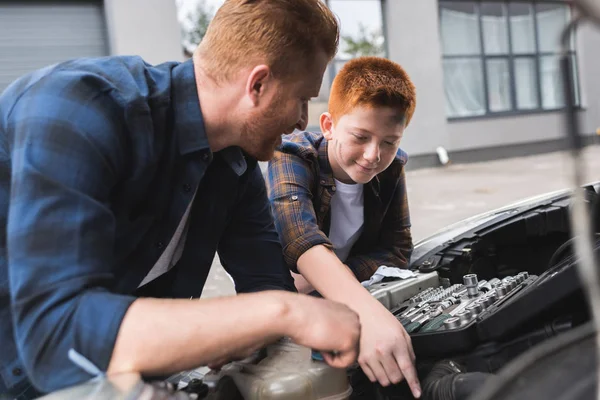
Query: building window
{"x": 502, "y": 56}
{"x": 361, "y": 34}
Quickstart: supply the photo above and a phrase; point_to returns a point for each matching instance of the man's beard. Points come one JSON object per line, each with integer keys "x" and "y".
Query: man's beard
{"x": 261, "y": 140}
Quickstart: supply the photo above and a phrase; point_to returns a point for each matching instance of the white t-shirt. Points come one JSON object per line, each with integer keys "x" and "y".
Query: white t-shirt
{"x": 347, "y": 217}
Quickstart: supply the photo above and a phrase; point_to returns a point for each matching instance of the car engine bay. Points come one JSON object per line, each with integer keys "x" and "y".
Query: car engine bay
{"x": 486, "y": 291}
{"x": 479, "y": 300}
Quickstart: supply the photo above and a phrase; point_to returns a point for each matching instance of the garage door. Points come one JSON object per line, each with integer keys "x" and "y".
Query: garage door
{"x": 34, "y": 34}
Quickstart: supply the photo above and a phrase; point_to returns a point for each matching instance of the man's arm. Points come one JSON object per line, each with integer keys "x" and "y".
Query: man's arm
{"x": 395, "y": 240}
{"x": 249, "y": 248}
{"x": 60, "y": 234}
{"x": 161, "y": 336}
{"x": 60, "y": 239}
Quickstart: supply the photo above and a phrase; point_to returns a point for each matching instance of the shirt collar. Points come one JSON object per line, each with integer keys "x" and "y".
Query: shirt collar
{"x": 235, "y": 158}
{"x": 188, "y": 120}
{"x": 189, "y": 123}
{"x": 326, "y": 174}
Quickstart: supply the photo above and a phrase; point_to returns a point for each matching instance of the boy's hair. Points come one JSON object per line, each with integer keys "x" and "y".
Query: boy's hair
{"x": 373, "y": 82}
{"x": 279, "y": 33}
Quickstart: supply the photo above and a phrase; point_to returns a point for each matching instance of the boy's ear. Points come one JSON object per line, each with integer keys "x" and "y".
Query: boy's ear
{"x": 326, "y": 124}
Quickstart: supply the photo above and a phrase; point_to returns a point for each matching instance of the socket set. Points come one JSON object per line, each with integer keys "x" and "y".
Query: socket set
{"x": 455, "y": 318}
{"x": 447, "y": 308}
{"x": 452, "y": 318}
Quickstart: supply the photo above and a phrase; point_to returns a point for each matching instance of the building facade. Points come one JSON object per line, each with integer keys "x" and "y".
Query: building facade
{"x": 487, "y": 73}
{"x": 34, "y": 34}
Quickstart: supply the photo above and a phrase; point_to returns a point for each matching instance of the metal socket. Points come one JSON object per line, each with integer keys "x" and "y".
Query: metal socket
{"x": 452, "y": 322}
{"x": 501, "y": 290}
{"x": 493, "y": 296}
{"x": 475, "y": 309}
{"x": 470, "y": 280}
{"x": 465, "y": 316}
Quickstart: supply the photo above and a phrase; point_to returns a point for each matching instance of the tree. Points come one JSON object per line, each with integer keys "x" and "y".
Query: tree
{"x": 365, "y": 43}
{"x": 195, "y": 24}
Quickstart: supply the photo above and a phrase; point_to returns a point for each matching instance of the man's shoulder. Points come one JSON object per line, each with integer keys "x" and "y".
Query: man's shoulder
{"x": 120, "y": 77}
{"x": 303, "y": 144}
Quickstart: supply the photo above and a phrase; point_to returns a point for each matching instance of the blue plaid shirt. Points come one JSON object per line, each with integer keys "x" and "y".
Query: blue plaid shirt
{"x": 99, "y": 159}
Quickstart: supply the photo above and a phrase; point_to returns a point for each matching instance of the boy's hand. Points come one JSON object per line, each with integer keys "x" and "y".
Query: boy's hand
{"x": 386, "y": 353}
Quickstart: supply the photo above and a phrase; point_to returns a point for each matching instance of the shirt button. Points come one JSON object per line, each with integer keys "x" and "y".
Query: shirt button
{"x": 160, "y": 245}
{"x": 187, "y": 188}
{"x": 294, "y": 198}
{"x": 333, "y": 188}
{"x": 17, "y": 371}
{"x": 205, "y": 156}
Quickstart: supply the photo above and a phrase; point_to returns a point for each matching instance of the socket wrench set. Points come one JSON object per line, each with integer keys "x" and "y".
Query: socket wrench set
{"x": 437, "y": 309}
{"x": 458, "y": 317}
{"x": 447, "y": 316}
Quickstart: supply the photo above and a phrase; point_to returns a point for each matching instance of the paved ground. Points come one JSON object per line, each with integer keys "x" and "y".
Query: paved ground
{"x": 441, "y": 196}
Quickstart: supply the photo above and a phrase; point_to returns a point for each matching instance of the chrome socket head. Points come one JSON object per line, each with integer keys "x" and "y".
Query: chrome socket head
{"x": 464, "y": 316}
{"x": 471, "y": 282}
{"x": 488, "y": 301}
{"x": 475, "y": 309}
{"x": 493, "y": 296}
{"x": 452, "y": 323}
{"x": 501, "y": 290}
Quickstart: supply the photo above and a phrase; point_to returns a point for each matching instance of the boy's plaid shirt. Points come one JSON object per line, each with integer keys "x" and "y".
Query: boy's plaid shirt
{"x": 300, "y": 185}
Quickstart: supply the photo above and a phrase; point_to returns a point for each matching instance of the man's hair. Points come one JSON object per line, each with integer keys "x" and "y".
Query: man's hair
{"x": 372, "y": 82}
{"x": 284, "y": 34}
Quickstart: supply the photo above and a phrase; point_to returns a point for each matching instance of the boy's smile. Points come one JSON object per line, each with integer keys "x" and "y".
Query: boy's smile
{"x": 363, "y": 142}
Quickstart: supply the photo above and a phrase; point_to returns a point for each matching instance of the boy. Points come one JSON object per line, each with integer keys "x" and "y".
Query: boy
{"x": 340, "y": 206}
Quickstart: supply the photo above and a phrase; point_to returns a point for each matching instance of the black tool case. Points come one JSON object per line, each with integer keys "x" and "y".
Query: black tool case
{"x": 530, "y": 298}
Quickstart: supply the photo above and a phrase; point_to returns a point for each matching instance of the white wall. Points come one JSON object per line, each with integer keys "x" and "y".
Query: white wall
{"x": 148, "y": 28}
{"x": 413, "y": 42}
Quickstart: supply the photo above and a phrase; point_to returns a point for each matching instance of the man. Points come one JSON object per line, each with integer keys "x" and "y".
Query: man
{"x": 120, "y": 180}
{"x": 340, "y": 205}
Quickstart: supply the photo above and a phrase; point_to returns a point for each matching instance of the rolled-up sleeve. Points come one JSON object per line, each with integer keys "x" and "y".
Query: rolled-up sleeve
{"x": 61, "y": 230}
{"x": 289, "y": 181}
{"x": 395, "y": 240}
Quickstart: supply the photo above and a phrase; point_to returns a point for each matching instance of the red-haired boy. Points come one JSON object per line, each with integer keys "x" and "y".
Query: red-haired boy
{"x": 340, "y": 205}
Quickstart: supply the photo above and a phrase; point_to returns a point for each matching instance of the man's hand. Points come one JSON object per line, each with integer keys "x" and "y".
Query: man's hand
{"x": 327, "y": 326}
{"x": 386, "y": 353}
{"x": 319, "y": 324}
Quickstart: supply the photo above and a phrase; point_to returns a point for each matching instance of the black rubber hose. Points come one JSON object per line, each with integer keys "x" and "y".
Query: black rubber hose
{"x": 449, "y": 381}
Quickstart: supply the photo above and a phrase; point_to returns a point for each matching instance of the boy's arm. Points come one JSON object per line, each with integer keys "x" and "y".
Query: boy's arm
{"x": 289, "y": 183}
{"x": 395, "y": 241}
{"x": 386, "y": 353}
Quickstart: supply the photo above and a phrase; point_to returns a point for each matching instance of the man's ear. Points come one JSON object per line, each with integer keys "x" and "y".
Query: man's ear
{"x": 326, "y": 124}
{"x": 256, "y": 85}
